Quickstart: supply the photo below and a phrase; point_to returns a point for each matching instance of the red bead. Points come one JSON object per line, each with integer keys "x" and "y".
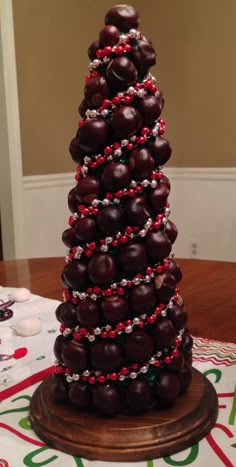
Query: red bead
{"x": 129, "y": 284}
{"x": 148, "y": 270}
{"x": 116, "y": 145}
{"x": 106, "y": 103}
{"x": 161, "y": 121}
{"x": 148, "y": 84}
{"x": 141, "y": 140}
{"x": 116, "y": 100}
{"x": 96, "y": 290}
{"x": 83, "y": 378}
{"x": 80, "y": 123}
{"x": 175, "y": 353}
{"x": 108, "y": 292}
{"x": 88, "y": 253}
{"x": 92, "y": 245}
{"x": 138, "y": 86}
{"x": 128, "y": 230}
{"x": 91, "y": 380}
{"x": 156, "y": 225}
{"x": 127, "y": 48}
{"x": 86, "y": 212}
{"x": 112, "y": 334}
{"x": 157, "y": 363}
{"x": 127, "y": 100}
{"x": 145, "y": 131}
{"x": 71, "y": 220}
{"x": 159, "y": 269}
{"x": 120, "y": 326}
{"x": 99, "y": 53}
{"x": 119, "y": 194}
{"x": 113, "y": 376}
{"x": 77, "y": 177}
{"x": 161, "y": 131}
{"x": 83, "y": 331}
{"x": 135, "y": 366}
{"x": 130, "y": 146}
{"x": 119, "y": 50}
{"x": 107, "y": 150}
{"x": 109, "y": 196}
{"x": 77, "y": 336}
{"x": 177, "y": 342}
{"x": 100, "y": 160}
{"x": 157, "y": 310}
{"x": 94, "y": 211}
{"x": 138, "y": 189}
{"x": 107, "y": 50}
{"x": 124, "y": 370}
{"x": 131, "y": 192}
{"x": 159, "y": 217}
{"x": 128, "y": 322}
{"x": 159, "y": 175}
{"x": 87, "y": 78}
{"x": 167, "y": 360}
{"x": 123, "y": 239}
{"x": 115, "y": 243}
{"x": 120, "y": 291}
{"x": 103, "y": 334}
{"x": 151, "y": 319}
{"x": 141, "y": 324}
{"x": 153, "y": 88}
{"x": 93, "y": 165}
{"x": 68, "y": 371}
{"x": 101, "y": 379}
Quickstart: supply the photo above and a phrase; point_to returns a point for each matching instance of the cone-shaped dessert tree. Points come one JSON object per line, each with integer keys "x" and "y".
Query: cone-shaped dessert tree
{"x": 124, "y": 346}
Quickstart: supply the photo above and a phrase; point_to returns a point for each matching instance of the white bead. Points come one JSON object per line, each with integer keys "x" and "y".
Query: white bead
{"x": 82, "y": 296}
{"x": 145, "y": 182}
{"x": 143, "y": 233}
{"x": 131, "y": 90}
{"x": 97, "y": 331}
{"x": 122, "y": 377}
{"x": 163, "y": 313}
{"x": 153, "y": 183}
{"x": 69, "y": 378}
{"x": 136, "y": 321}
{"x": 113, "y": 286}
{"x": 76, "y": 377}
{"x": 117, "y": 152}
{"x": 104, "y": 248}
{"x": 133, "y": 375}
{"x": 124, "y": 142}
{"x": 108, "y": 327}
{"x": 95, "y": 202}
{"x": 28, "y": 327}
{"x": 133, "y": 138}
{"x": 136, "y": 281}
{"x": 123, "y": 282}
{"x": 147, "y": 279}
{"x": 91, "y": 338}
{"x": 104, "y": 112}
{"x": 155, "y": 131}
{"x": 86, "y": 373}
{"x": 93, "y": 297}
{"x": 144, "y": 369}
{"x": 66, "y": 332}
{"x": 128, "y": 329}
{"x": 96, "y": 63}
{"x": 19, "y": 295}
{"x": 93, "y": 113}
{"x": 152, "y": 360}
{"x": 133, "y": 184}
{"x": 109, "y": 240}
{"x": 133, "y": 32}
{"x": 116, "y": 201}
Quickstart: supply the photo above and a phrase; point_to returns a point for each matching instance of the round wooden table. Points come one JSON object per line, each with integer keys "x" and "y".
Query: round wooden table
{"x": 208, "y": 289}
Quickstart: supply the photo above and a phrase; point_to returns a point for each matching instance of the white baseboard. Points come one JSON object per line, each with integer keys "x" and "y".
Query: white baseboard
{"x": 202, "y": 206}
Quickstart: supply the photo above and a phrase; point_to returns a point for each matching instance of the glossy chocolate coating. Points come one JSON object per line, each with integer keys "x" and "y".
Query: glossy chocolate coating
{"x": 74, "y": 356}
{"x": 115, "y": 176}
{"x": 75, "y": 275}
{"x": 69, "y": 239}
{"x": 109, "y": 35}
{"x": 158, "y": 245}
{"x": 72, "y": 200}
{"x": 167, "y": 388}
{"x": 185, "y": 377}
{"x": 106, "y": 356}
{"x": 158, "y": 197}
{"x": 76, "y": 151}
{"x": 171, "y": 231}
{"x": 66, "y": 314}
{"x": 58, "y": 388}
{"x": 102, "y": 269}
{"x": 166, "y": 291}
{"x": 121, "y": 73}
{"x": 138, "y": 346}
{"x": 132, "y": 257}
{"x": 143, "y": 55}
{"x": 93, "y": 49}
{"x": 88, "y": 313}
{"x": 109, "y": 220}
{"x": 150, "y": 108}
{"x": 106, "y": 399}
{"x": 87, "y": 189}
{"x": 136, "y": 211}
{"x": 93, "y": 135}
{"x": 178, "y": 316}
{"x": 85, "y": 229}
{"x": 163, "y": 333}
{"x": 138, "y": 395}
{"x": 141, "y": 163}
{"x": 142, "y": 299}
{"x": 187, "y": 342}
{"x": 79, "y": 394}
{"x": 59, "y": 343}
{"x": 160, "y": 149}
{"x": 175, "y": 270}
{"x": 125, "y": 121}
{"x": 114, "y": 308}
{"x": 124, "y": 17}
{"x": 96, "y": 90}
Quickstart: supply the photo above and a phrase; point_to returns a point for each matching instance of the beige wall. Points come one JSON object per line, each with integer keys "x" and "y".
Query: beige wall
{"x": 196, "y": 46}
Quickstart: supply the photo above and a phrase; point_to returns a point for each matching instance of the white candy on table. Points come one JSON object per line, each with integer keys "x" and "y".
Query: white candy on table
{"x": 19, "y": 295}
{"x": 28, "y": 327}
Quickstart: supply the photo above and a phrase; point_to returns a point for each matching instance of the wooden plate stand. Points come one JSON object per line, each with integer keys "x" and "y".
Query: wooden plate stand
{"x": 154, "y": 434}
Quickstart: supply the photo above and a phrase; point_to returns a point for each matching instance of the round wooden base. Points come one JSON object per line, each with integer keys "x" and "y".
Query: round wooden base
{"x": 154, "y": 434}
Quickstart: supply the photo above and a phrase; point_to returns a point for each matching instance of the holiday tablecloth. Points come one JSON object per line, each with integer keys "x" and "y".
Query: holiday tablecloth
{"x": 19, "y": 446}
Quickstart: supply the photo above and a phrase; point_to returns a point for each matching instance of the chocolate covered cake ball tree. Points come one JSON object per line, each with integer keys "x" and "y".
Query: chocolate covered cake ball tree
{"x": 124, "y": 348}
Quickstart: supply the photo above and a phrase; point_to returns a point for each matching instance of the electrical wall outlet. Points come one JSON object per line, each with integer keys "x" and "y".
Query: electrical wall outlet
{"x": 194, "y": 248}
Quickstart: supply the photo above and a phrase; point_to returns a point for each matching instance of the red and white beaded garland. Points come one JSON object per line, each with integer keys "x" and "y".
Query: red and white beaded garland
{"x": 159, "y": 358}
